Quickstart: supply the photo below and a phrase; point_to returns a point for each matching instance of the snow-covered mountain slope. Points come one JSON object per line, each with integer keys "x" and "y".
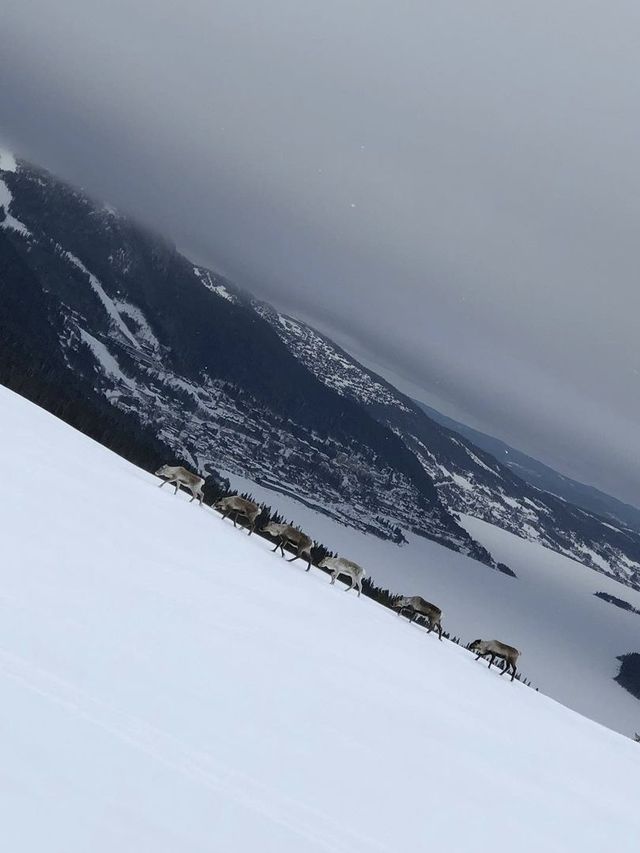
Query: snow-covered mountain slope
{"x": 469, "y": 480}
{"x": 226, "y": 381}
{"x": 570, "y": 640}
{"x": 168, "y": 684}
{"x": 174, "y": 344}
{"x": 542, "y": 476}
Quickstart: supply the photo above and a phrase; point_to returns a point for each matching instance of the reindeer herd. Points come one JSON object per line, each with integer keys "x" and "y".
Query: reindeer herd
{"x": 285, "y": 534}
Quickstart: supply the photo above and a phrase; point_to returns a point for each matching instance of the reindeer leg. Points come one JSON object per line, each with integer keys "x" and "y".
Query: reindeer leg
{"x": 491, "y": 660}
{"x": 513, "y": 674}
{"x": 176, "y": 485}
{"x": 235, "y": 518}
{"x": 308, "y": 564}
{"x": 334, "y": 575}
{"x": 359, "y": 587}
{"x": 163, "y": 483}
{"x": 251, "y": 526}
{"x": 294, "y": 558}
{"x": 273, "y": 550}
{"x": 440, "y": 632}
{"x": 351, "y": 578}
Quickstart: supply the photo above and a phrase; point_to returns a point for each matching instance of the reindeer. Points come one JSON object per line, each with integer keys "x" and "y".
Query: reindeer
{"x": 496, "y": 649}
{"x": 179, "y": 476}
{"x": 342, "y": 566}
{"x": 239, "y": 506}
{"x": 287, "y": 534}
{"x": 418, "y": 606}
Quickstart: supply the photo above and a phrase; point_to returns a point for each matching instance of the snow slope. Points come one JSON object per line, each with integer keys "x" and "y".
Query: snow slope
{"x": 569, "y": 639}
{"x": 167, "y": 684}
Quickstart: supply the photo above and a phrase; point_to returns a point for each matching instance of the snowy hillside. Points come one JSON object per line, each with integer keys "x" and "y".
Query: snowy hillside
{"x": 168, "y": 684}
{"x": 570, "y": 639}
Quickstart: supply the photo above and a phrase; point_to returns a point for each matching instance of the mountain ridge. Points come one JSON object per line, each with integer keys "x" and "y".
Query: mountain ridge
{"x": 226, "y": 380}
{"x": 469, "y": 479}
{"x": 140, "y": 326}
{"x": 539, "y": 474}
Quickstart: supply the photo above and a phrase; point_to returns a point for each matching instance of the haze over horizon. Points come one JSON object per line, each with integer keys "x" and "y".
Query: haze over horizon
{"x": 450, "y": 190}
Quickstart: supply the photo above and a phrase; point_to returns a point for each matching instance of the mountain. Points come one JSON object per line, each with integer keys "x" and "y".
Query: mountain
{"x": 168, "y": 684}
{"x": 542, "y": 476}
{"x": 468, "y": 479}
{"x": 231, "y": 385}
{"x": 160, "y": 338}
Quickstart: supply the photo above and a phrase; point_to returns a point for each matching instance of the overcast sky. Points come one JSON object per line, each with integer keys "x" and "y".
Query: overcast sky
{"x": 451, "y": 189}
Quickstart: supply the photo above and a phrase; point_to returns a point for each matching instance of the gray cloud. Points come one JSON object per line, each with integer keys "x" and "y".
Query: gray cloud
{"x": 450, "y": 188}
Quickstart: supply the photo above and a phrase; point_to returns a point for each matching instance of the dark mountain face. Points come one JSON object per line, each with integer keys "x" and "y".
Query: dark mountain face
{"x": 469, "y": 480}
{"x": 32, "y": 364}
{"x": 140, "y": 326}
{"x": 230, "y": 384}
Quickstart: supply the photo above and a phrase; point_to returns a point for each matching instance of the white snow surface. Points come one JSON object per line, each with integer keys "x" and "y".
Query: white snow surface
{"x": 569, "y": 640}
{"x": 167, "y": 684}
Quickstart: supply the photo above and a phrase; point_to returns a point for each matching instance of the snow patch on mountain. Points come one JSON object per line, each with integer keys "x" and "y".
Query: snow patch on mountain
{"x": 107, "y": 361}
{"x": 143, "y": 329}
{"x": 494, "y": 471}
{"x": 9, "y": 220}
{"x": 212, "y": 283}
{"x": 108, "y": 303}
{"x": 8, "y": 162}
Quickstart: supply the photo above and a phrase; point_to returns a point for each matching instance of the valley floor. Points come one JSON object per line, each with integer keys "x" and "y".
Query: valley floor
{"x": 169, "y": 685}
